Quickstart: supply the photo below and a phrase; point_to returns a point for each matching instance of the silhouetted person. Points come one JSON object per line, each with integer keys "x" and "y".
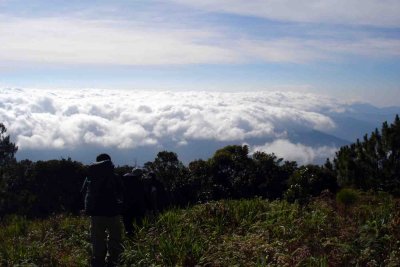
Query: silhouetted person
{"x": 103, "y": 202}
{"x": 156, "y": 197}
{"x": 134, "y": 200}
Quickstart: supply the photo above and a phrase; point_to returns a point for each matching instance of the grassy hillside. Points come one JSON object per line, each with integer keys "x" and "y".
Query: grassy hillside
{"x": 226, "y": 233}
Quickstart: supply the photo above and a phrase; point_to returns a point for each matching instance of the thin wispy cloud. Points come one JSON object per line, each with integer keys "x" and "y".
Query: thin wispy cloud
{"x": 76, "y": 41}
{"x": 355, "y": 12}
{"x": 103, "y": 43}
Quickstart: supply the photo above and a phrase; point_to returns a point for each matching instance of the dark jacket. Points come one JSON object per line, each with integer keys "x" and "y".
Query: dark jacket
{"x": 103, "y": 190}
{"x": 134, "y": 198}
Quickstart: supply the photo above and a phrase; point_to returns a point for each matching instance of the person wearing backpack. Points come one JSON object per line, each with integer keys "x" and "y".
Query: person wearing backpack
{"x": 156, "y": 197}
{"x": 134, "y": 200}
{"x": 103, "y": 202}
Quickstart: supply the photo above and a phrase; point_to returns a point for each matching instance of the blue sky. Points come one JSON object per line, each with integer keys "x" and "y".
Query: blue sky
{"x": 345, "y": 49}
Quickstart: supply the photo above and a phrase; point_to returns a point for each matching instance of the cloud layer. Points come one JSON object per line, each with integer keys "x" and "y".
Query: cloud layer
{"x": 71, "y": 119}
{"x": 296, "y": 151}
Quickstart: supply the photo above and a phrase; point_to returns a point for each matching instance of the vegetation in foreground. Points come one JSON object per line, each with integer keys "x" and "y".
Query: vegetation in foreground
{"x": 252, "y": 232}
{"x": 303, "y": 228}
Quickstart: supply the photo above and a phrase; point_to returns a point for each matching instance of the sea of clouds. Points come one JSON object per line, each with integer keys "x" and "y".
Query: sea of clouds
{"x": 60, "y": 120}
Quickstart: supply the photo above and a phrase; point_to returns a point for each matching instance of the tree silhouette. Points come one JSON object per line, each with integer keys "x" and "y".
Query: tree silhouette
{"x": 173, "y": 175}
{"x": 7, "y": 148}
{"x": 231, "y": 169}
{"x": 309, "y": 181}
{"x": 7, "y": 164}
{"x": 374, "y": 162}
{"x": 271, "y": 174}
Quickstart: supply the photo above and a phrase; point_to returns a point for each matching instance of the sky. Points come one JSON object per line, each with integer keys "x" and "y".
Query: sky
{"x": 346, "y": 49}
{"x": 137, "y": 77}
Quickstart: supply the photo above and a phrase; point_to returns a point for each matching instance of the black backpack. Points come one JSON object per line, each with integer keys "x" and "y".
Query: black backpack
{"x": 104, "y": 190}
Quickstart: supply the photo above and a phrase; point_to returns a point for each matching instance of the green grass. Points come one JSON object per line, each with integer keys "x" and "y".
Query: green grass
{"x": 58, "y": 241}
{"x": 261, "y": 233}
{"x": 226, "y": 233}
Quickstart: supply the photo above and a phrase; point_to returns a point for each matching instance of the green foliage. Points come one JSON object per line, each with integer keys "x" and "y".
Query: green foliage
{"x": 374, "y": 162}
{"x": 37, "y": 189}
{"x": 347, "y": 197}
{"x": 231, "y": 172}
{"x": 271, "y": 174}
{"x": 41, "y": 188}
{"x": 7, "y": 148}
{"x": 7, "y": 163}
{"x": 262, "y": 233}
{"x": 251, "y": 232}
{"x": 215, "y": 233}
{"x": 168, "y": 168}
{"x": 57, "y": 241}
{"x": 174, "y": 176}
{"x": 308, "y": 181}
{"x": 201, "y": 180}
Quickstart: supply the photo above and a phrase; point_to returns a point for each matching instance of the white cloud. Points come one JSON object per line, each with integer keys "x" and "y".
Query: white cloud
{"x": 295, "y": 151}
{"x": 62, "y": 119}
{"x": 356, "y": 12}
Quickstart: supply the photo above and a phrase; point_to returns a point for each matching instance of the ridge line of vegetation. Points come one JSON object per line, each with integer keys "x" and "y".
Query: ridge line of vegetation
{"x": 357, "y": 228}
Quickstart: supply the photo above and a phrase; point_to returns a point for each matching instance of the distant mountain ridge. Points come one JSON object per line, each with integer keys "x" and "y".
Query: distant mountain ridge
{"x": 360, "y": 119}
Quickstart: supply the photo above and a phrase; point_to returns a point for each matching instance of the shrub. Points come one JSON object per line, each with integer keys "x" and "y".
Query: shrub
{"x": 347, "y": 197}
